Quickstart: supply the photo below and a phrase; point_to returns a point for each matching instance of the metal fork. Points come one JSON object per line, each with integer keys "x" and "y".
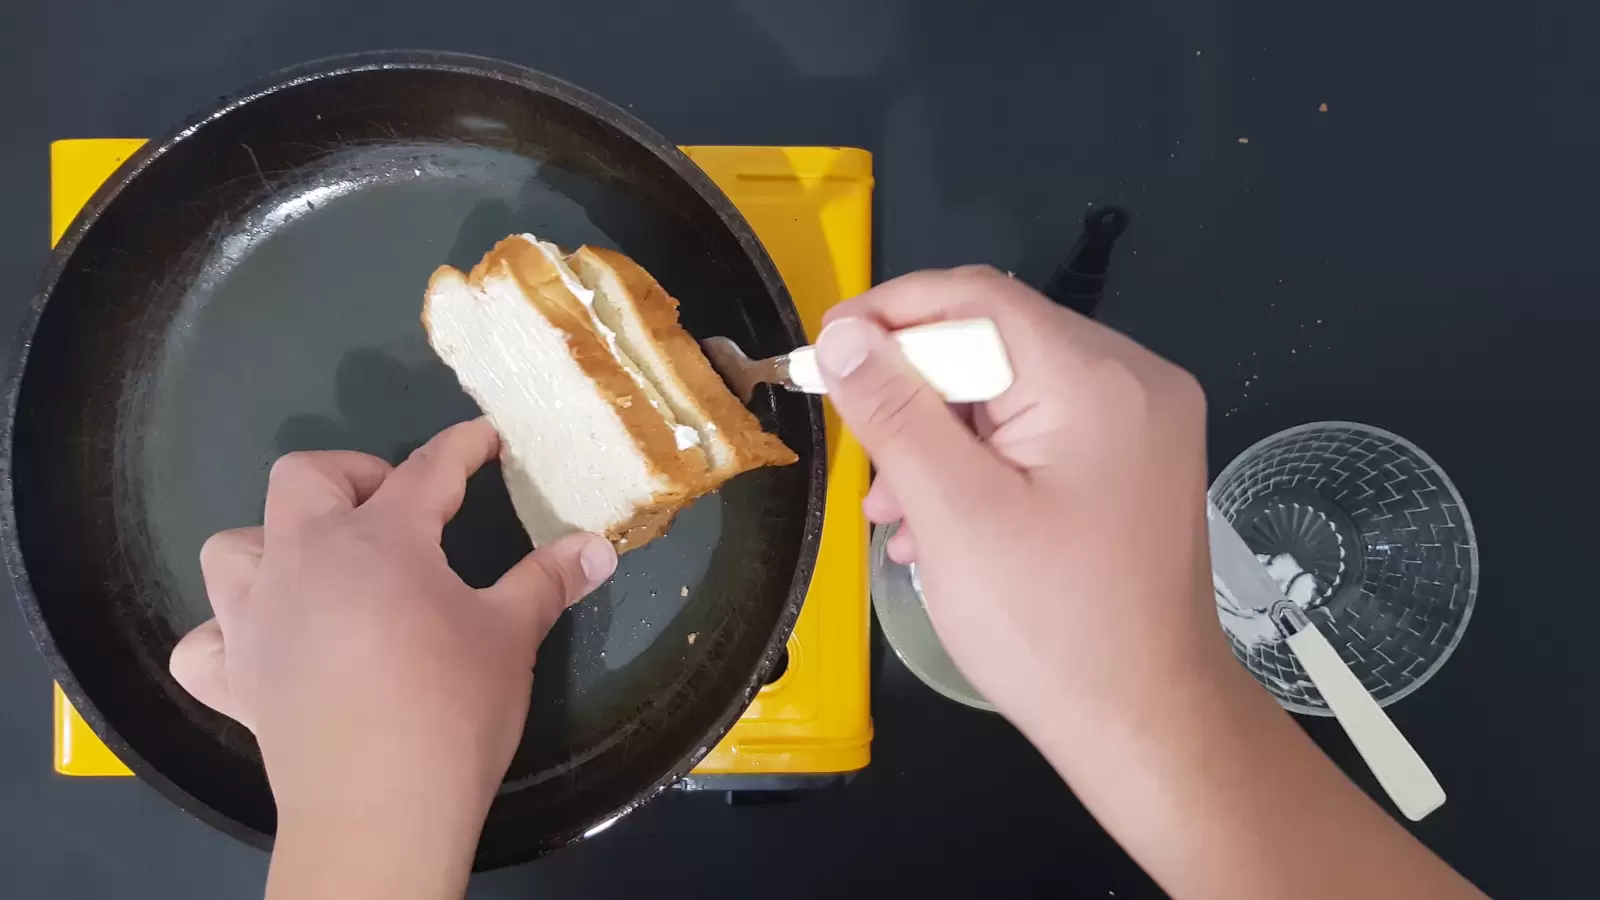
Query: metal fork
{"x": 743, "y": 373}
{"x": 964, "y": 360}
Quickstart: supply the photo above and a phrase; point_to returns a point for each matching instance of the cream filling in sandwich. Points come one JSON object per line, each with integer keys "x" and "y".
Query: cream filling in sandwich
{"x": 685, "y": 435}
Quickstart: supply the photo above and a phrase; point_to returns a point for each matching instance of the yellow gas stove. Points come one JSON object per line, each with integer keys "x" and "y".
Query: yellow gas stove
{"x": 814, "y": 719}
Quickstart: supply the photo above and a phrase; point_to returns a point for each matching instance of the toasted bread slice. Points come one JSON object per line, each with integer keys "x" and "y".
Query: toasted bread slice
{"x": 644, "y": 318}
{"x": 585, "y": 447}
{"x": 595, "y": 435}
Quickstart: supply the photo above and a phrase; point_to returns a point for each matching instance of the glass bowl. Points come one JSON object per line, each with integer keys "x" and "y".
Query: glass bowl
{"x": 1385, "y": 536}
{"x": 897, "y": 599}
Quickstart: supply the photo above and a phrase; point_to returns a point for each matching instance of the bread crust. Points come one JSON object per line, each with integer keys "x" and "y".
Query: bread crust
{"x": 752, "y": 447}
{"x": 517, "y": 258}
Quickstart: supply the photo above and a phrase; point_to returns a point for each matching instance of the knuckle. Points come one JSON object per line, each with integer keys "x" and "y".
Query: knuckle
{"x": 421, "y": 457}
{"x": 293, "y": 465}
{"x": 993, "y": 289}
{"x": 225, "y": 545}
{"x": 214, "y": 544}
{"x": 1136, "y": 392}
{"x": 979, "y": 272}
{"x": 556, "y": 579}
{"x": 1178, "y": 392}
{"x": 569, "y": 584}
{"x": 213, "y": 551}
{"x": 994, "y": 284}
{"x": 1185, "y": 390}
{"x": 1118, "y": 383}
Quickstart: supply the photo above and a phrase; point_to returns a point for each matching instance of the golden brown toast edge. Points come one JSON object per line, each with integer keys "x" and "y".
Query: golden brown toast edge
{"x": 752, "y": 446}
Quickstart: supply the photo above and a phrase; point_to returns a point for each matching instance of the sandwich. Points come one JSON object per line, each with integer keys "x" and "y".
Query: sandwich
{"x": 610, "y": 417}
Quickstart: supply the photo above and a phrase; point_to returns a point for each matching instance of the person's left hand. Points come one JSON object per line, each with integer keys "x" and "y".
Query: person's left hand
{"x": 384, "y": 692}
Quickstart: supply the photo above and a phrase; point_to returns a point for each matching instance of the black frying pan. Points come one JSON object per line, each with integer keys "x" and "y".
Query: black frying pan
{"x": 251, "y": 285}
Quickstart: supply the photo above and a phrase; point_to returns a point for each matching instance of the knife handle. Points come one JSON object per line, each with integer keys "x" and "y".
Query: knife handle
{"x": 963, "y": 360}
{"x": 1402, "y": 773}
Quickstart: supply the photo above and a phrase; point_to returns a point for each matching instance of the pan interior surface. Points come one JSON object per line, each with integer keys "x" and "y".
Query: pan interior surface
{"x": 255, "y": 290}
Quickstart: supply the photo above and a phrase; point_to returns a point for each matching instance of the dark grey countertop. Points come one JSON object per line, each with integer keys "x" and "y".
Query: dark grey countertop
{"x": 1414, "y": 257}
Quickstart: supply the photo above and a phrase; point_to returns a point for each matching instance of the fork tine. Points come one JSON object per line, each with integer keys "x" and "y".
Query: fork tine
{"x": 732, "y": 364}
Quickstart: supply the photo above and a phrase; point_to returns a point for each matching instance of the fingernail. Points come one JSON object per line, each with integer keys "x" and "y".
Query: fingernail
{"x": 598, "y": 559}
{"x": 843, "y": 346}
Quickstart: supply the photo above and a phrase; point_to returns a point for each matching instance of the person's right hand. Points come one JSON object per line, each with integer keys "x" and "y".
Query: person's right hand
{"x": 1060, "y": 537}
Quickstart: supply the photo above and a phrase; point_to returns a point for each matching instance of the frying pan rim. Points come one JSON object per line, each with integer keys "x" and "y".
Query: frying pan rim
{"x": 336, "y": 66}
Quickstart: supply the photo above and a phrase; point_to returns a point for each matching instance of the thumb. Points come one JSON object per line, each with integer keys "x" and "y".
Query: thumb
{"x": 554, "y": 577}
{"x": 199, "y": 665}
{"x": 914, "y": 438}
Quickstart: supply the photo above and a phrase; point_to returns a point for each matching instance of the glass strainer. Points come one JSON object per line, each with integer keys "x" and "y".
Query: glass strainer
{"x": 1385, "y": 537}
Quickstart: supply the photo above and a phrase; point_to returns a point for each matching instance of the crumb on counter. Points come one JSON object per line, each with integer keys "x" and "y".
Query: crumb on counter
{"x": 692, "y": 636}
{"x": 683, "y": 591}
{"x": 1244, "y": 140}
{"x": 1322, "y": 108}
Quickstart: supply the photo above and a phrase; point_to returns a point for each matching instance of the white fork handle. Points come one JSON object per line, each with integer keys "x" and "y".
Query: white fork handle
{"x": 963, "y": 360}
{"x": 1392, "y": 759}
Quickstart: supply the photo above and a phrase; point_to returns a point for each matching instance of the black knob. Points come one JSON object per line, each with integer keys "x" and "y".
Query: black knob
{"x": 1080, "y": 280}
